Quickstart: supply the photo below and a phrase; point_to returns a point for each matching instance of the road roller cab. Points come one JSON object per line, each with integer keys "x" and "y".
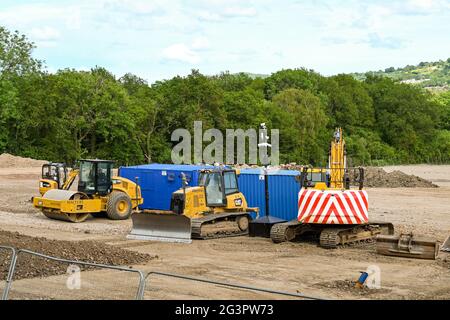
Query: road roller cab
{"x": 95, "y": 177}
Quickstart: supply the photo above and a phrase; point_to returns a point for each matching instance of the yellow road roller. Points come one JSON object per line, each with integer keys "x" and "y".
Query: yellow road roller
{"x": 98, "y": 193}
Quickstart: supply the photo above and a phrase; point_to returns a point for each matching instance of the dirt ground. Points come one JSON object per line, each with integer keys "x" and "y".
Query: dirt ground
{"x": 300, "y": 267}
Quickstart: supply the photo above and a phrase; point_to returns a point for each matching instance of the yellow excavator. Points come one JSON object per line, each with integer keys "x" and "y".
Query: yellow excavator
{"x": 213, "y": 209}
{"x": 329, "y": 208}
{"x": 56, "y": 176}
{"x": 98, "y": 192}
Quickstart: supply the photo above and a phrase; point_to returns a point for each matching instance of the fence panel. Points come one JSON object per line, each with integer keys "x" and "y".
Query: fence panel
{"x": 161, "y": 285}
{"x": 7, "y": 257}
{"x": 72, "y": 280}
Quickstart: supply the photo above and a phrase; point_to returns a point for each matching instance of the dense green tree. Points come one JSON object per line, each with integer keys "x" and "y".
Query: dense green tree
{"x": 285, "y": 79}
{"x": 73, "y": 114}
{"x": 349, "y": 104}
{"x": 443, "y": 100}
{"x": 15, "y": 54}
{"x": 406, "y": 116}
{"x": 302, "y": 126}
{"x": 16, "y": 63}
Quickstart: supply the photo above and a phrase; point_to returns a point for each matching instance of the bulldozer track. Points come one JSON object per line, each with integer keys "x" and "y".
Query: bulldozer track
{"x": 198, "y": 223}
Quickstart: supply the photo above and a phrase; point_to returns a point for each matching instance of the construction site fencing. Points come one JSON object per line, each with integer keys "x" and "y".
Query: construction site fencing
{"x": 143, "y": 283}
{"x": 57, "y": 285}
{"x": 8, "y": 263}
{"x": 153, "y": 274}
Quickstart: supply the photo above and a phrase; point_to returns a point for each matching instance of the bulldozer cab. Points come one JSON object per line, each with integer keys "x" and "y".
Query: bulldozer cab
{"x": 95, "y": 177}
{"x": 218, "y": 185}
{"x": 56, "y": 172}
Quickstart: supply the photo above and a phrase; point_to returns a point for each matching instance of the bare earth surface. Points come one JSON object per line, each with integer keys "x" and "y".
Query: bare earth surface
{"x": 295, "y": 267}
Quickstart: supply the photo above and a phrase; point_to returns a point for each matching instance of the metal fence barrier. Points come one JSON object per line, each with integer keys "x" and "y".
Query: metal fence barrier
{"x": 231, "y": 285}
{"x": 141, "y": 286}
{"x": 12, "y": 265}
{"x": 15, "y": 254}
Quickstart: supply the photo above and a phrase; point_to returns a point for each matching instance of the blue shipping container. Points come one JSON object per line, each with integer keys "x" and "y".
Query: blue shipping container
{"x": 283, "y": 191}
{"x": 159, "y": 181}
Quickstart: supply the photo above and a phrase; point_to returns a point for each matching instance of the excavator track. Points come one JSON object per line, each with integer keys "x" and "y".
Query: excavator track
{"x": 220, "y": 225}
{"x": 286, "y": 231}
{"x": 330, "y": 236}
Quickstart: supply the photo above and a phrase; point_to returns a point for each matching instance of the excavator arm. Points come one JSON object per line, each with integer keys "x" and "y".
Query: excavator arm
{"x": 70, "y": 179}
{"x": 337, "y": 161}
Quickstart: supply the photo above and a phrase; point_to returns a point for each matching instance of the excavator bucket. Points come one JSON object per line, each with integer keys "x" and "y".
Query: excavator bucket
{"x": 166, "y": 227}
{"x": 446, "y": 246}
{"x": 408, "y": 246}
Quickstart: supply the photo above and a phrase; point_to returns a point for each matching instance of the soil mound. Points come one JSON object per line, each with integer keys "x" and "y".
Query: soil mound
{"x": 87, "y": 251}
{"x": 379, "y": 178}
{"x": 9, "y": 161}
{"x": 374, "y": 177}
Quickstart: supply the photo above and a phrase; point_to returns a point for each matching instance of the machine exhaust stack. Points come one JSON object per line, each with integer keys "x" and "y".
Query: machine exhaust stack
{"x": 261, "y": 227}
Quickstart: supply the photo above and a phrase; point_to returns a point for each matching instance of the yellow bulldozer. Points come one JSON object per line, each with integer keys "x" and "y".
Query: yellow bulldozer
{"x": 98, "y": 192}
{"x": 213, "y": 209}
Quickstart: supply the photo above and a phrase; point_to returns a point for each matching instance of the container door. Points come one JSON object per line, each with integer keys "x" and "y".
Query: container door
{"x": 252, "y": 187}
{"x": 283, "y": 196}
{"x": 148, "y": 189}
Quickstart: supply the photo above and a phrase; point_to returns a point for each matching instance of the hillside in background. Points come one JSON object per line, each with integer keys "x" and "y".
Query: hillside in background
{"x": 430, "y": 75}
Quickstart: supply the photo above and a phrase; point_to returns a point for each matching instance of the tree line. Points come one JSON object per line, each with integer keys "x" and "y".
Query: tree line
{"x": 71, "y": 114}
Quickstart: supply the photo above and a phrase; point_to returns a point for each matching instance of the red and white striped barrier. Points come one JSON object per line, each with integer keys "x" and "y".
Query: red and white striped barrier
{"x": 333, "y": 206}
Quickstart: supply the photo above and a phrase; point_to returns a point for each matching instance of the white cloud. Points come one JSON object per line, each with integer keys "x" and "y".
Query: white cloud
{"x": 44, "y": 34}
{"x": 220, "y": 11}
{"x": 187, "y": 53}
{"x": 200, "y": 43}
{"x": 239, "y": 12}
{"x": 135, "y": 6}
{"x": 181, "y": 52}
{"x": 208, "y": 16}
{"x": 428, "y": 5}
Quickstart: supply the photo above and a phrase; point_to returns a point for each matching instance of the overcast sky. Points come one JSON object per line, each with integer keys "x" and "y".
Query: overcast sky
{"x": 157, "y": 39}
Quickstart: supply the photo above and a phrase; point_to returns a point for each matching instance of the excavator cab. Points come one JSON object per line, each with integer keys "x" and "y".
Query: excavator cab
{"x": 314, "y": 178}
{"x": 95, "y": 177}
{"x": 54, "y": 176}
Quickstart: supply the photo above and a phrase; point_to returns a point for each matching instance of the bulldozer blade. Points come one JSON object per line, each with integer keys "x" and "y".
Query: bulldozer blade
{"x": 446, "y": 246}
{"x": 167, "y": 227}
{"x": 407, "y": 246}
